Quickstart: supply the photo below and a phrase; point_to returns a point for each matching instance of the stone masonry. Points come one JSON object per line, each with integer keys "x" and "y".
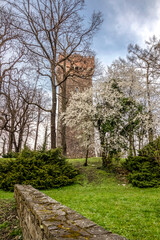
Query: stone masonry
{"x": 80, "y": 70}
{"x": 43, "y": 218}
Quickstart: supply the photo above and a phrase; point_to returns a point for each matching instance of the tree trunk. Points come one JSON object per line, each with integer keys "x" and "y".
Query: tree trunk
{"x": 86, "y": 160}
{"x": 64, "y": 105}
{"x": 53, "y": 129}
{"x": 53, "y": 112}
{"x": 4, "y": 146}
{"x": 10, "y": 145}
{"x": 11, "y": 135}
{"x": 150, "y": 120}
{"x": 105, "y": 159}
{"x": 139, "y": 141}
{"x": 133, "y": 146}
{"x": 103, "y": 148}
{"x": 15, "y": 144}
{"x": 130, "y": 144}
{"x": 25, "y": 142}
{"x": 150, "y": 130}
{"x": 1, "y": 78}
{"x": 44, "y": 147}
{"x": 20, "y": 140}
{"x": 37, "y": 129}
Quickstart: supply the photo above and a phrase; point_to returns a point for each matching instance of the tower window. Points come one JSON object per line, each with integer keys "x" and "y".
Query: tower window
{"x": 76, "y": 68}
{"x": 77, "y": 89}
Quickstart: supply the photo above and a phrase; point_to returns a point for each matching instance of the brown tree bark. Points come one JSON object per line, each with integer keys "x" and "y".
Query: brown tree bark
{"x": 27, "y": 135}
{"x": 4, "y": 146}
{"x": 150, "y": 119}
{"x": 53, "y": 111}
{"x": 86, "y": 159}
{"x": 37, "y": 129}
{"x": 64, "y": 106}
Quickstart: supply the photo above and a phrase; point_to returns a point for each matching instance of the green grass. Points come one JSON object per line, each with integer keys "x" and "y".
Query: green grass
{"x": 6, "y": 195}
{"x": 122, "y": 209}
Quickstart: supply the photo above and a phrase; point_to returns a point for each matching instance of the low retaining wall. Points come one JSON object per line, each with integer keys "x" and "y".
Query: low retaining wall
{"x": 43, "y": 218}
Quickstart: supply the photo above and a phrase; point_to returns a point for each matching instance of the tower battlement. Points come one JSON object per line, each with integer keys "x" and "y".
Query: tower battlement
{"x": 77, "y": 60}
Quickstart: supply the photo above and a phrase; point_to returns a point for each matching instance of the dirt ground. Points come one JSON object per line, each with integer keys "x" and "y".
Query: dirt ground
{"x": 9, "y": 223}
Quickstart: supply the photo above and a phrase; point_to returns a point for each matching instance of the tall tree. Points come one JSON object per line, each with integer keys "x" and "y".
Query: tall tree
{"x": 11, "y": 53}
{"x": 130, "y": 79}
{"x": 10, "y": 48}
{"x": 147, "y": 60}
{"x": 19, "y": 116}
{"x": 49, "y": 27}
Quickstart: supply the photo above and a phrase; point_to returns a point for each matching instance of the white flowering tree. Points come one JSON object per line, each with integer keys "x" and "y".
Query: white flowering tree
{"x": 79, "y": 115}
{"x": 107, "y": 119}
{"x": 129, "y": 78}
{"x": 131, "y": 82}
{"x": 107, "y": 109}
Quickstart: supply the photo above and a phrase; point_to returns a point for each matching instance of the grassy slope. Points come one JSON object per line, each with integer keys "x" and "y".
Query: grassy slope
{"x": 131, "y": 212}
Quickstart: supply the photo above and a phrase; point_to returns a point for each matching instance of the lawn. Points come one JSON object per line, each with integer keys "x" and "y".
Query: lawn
{"x": 116, "y": 206}
{"x": 131, "y": 212}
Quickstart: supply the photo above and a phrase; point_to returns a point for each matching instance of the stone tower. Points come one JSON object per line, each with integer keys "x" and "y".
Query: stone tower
{"x": 78, "y": 71}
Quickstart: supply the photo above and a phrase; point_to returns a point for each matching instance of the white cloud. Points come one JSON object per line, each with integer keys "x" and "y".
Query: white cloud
{"x": 125, "y": 22}
{"x": 133, "y": 21}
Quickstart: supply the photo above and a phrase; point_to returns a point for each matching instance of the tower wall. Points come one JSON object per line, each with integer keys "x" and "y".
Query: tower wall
{"x": 80, "y": 71}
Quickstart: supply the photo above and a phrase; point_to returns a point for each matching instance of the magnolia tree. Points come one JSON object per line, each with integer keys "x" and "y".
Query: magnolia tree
{"x": 104, "y": 108}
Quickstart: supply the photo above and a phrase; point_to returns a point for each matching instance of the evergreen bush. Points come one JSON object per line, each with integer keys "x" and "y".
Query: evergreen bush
{"x": 152, "y": 150}
{"x": 10, "y": 155}
{"x": 143, "y": 171}
{"x": 42, "y": 170}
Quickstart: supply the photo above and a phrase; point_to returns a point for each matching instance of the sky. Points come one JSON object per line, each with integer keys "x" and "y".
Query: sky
{"x": 125, "y": 22}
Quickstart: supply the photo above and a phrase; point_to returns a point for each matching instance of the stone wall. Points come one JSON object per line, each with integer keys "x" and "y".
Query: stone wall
{"x": 41, "y": 217}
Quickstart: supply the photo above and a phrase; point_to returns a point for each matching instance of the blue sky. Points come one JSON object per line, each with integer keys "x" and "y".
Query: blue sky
{"x": 125, "y": 22}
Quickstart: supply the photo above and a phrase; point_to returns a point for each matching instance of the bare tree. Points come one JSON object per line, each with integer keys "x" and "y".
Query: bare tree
{"x": 147, "y": 59}
{"x": 11, "y": 53}
{"x": 20, "y": 117}
{"x": 50, "y": 28}
{"x": 10, "y": 49}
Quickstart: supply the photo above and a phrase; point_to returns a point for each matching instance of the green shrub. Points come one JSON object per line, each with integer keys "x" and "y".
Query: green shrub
{"x": 152, "y": 150}
{"x": 42, "y": 170}
{"x": 10, "y": 155}
{"x": 143, "y": 171}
